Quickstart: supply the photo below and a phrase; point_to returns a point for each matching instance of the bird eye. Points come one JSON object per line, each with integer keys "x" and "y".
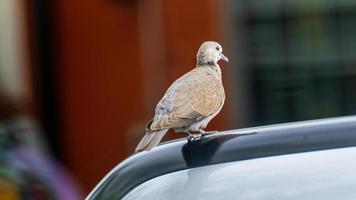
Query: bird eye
{"x": 218, "y": 48}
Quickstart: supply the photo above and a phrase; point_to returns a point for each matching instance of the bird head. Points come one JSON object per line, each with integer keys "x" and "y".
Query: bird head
{"x": 210, "y": 53}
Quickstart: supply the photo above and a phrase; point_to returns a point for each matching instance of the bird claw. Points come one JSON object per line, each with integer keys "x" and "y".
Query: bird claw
{"x": 206, "y": 133}
{"x": 209, "y": 132}
{"x": 193, "y": 138}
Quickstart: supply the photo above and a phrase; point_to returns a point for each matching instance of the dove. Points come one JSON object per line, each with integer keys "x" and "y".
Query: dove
{"x": 191, "y": 101}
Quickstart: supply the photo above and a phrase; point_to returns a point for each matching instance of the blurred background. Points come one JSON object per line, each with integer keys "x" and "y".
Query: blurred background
{"x": 79, "y": 79}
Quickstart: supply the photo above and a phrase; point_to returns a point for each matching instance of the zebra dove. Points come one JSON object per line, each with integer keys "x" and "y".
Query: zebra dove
{"x": 191, "y": 101}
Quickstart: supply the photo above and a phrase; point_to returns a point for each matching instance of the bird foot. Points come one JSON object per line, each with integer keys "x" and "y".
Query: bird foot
{"x": 209, "y": 132}
{"x": 205, "y": 133}
{"x": 196, "y": 137}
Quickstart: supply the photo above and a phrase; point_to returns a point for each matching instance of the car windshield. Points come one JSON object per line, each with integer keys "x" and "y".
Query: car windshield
{"x": 328, "y": 174}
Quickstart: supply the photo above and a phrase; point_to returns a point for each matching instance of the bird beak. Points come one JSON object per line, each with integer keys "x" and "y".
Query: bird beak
{"x": 223, "y": 57}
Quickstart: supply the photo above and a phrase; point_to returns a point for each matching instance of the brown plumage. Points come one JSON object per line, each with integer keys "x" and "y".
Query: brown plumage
{"x": 191, "y": 101}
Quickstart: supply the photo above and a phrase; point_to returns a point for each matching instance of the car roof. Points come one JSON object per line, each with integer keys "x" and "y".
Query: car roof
{"x": 227, "y": 146}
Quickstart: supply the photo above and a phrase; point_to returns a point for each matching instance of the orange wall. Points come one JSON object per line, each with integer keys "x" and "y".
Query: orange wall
{"x": 99, "y": 82}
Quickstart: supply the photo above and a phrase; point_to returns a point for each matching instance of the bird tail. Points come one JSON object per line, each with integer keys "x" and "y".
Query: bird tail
{"x": 150, "y": 140}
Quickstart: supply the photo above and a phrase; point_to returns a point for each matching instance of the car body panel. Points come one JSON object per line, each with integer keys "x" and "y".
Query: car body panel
{"x": 325, "y": 174}
{"x": 224, "y": 147}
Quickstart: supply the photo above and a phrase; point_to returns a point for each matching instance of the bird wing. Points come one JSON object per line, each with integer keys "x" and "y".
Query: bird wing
{"x": 193, "y": 97}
